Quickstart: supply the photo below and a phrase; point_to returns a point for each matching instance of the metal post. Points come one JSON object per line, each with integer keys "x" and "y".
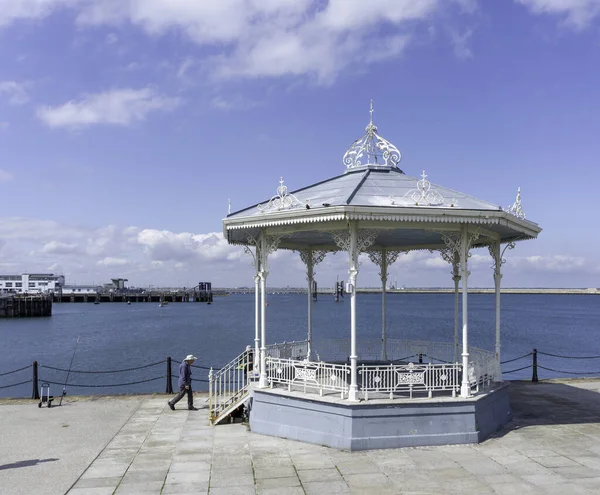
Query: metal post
{"x": 384, "y": 274}
{"x": 534, "y": 376}
{"x": 353, "y": 271}
{"x": 310, "y": 273}
{"x": 169, "y": 389}
{"x": 35, "y": 394}
{"x": 256, "y": 319}
{"x": 262, "y": 382}
{"x": 420, "y": 358}
{"x": 456, "y": 279}
{"x": 210, "y": 395}
{"x": 497, "y": 280}
{"x": 465, "y": 389}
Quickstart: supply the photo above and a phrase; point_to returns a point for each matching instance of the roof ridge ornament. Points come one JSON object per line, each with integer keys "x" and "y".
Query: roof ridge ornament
{"x": 282, "y": 200}
{"x": 516, "y": 208}
{"x": 424, "y": 195}
{"x": 373, "y": 148}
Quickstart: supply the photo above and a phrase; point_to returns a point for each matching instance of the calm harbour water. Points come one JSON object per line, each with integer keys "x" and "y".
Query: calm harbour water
{"x": 116, "y": 335}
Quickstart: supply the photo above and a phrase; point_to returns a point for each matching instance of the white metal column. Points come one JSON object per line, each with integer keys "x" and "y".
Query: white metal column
{"x": 465, "y": 389}
{"x": 262, "y": 382}
{"x": 456, "y": 279}
{"x": 384, "y": 274}
{"x": 257, "y": 364}
{"x": 497, "y": 280}
{"x": 310, "y": 276}
{"x": 353, "y": 272}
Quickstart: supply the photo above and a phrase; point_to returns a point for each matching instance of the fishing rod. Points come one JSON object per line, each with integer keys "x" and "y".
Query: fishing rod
{"x": 64, "y": 392}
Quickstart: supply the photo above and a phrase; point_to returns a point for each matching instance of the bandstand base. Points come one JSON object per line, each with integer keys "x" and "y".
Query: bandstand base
{"x": 379, "y": 424}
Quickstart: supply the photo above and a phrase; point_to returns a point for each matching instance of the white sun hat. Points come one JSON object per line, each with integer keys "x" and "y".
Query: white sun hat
{"x": 190, "y": 357}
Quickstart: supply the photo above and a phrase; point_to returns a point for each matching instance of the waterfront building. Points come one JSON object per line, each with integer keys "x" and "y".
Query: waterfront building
{"x": 352, "y": 393}
{"x": 31, "y": 283}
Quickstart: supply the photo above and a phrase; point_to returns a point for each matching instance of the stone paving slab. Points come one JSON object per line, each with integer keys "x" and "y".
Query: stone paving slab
{"x": 551, "y": 447}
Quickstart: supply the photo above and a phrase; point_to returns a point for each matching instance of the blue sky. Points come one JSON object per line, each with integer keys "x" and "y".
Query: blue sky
{"x": 126, "y": 126}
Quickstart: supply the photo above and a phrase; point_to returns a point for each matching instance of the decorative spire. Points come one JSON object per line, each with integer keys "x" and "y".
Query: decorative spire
{"x": 282, "y": 200}
{"x": 516, "y": 208}
{"x": 424, "y": 195}
{"x": 371, "y": 149}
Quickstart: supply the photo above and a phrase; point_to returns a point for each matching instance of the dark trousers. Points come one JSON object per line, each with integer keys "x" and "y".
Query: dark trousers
{"x": 182, "y": 392}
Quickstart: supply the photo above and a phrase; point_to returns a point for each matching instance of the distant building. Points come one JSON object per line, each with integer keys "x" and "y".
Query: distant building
{"x": 116, "y": 284}
{"x": 31, "y": 283}
{"x": 79, "y": 290}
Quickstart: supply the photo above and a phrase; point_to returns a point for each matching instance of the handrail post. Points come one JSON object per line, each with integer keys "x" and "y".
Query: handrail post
{"x": 210, "y": 395}
{"x": 534, "y": 377}
{"x": 169, "y": 389}
{"x": 35, "y": 394}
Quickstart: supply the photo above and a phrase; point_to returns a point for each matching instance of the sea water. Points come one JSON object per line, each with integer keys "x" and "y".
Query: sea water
{"x": 115, "y": 336}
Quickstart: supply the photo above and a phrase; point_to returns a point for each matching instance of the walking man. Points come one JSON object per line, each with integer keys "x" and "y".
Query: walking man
{"x": 185, "y": 383}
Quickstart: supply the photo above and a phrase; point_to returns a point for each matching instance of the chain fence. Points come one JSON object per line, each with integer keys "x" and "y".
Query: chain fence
{"x": 168, "y": 377}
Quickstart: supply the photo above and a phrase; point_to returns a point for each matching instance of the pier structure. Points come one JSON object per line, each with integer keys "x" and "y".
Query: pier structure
{"x": 351, "y": 394}
{"x": 25, "y": 306}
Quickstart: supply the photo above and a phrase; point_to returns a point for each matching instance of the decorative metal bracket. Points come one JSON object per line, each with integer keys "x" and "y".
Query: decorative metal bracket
{"x": 501, "y": 260}
{"x": 314, "y": 257}
{"x": 516, "y": 208}
{"x": 282, "y": 200}
{"x": 423, "y": 195}
{"x": 383, "y": 259}
{"x": 373, "y": 148}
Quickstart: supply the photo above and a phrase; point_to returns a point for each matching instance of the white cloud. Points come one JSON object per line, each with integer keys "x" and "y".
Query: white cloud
{"x": 258, "y": 38}
{"x": 554, "y": 263}
{"x": 117, "y": 107}
{"x": 460, "y": 42}
{"x": 165, "y": 258}
{"x": 110, "y": 261}
{"x": 575, "y": 13}
{"x": 13, "y": 10}
{"x": 5, "y": 176}
{"x": 16, "y": 92}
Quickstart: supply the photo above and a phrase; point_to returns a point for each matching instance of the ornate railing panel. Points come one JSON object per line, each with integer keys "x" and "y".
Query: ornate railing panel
{"x": 394, "y": 380}
{"x": 308, "y": 376}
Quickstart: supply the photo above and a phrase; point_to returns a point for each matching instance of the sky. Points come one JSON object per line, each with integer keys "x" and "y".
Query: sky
{"x": 126, "y": 127}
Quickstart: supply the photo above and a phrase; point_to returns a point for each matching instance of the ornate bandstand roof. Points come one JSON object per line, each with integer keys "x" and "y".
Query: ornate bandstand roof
{"x": 409, "y": 212}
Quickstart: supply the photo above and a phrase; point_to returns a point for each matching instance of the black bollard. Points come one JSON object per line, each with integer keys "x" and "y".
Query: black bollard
{"x": 534, "y": 376}
{"x": 35, "y": 394}
{"x": 169, "y": 380}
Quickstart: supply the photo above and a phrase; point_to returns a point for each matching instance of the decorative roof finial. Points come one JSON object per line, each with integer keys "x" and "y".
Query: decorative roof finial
{"x": 282, "y": 200}
{"x": 229, "y": 206}
{"x": 516, "y": 208}
{"x": 372, "y": 148}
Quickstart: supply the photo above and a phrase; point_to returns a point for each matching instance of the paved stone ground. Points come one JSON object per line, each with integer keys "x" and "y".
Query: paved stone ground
{"x": 551, "y": 447}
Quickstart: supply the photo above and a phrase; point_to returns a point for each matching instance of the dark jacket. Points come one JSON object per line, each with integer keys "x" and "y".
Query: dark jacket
{"x": 185, "y": 374}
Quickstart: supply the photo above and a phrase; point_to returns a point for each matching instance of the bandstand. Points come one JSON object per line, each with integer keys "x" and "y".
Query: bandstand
{"x": 354, "y": 394}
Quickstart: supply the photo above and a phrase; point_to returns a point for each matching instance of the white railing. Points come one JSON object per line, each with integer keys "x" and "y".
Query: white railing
{"x": 308, "y": 376}
{"x": 412, "y": 367}
{"x": 229, "y": 386}
{"x": 395, "y": 380}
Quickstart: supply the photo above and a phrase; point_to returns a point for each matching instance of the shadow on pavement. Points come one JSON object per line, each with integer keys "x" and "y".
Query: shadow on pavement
{"x": 550, "y": 403}
{"x": 27, "y": 463}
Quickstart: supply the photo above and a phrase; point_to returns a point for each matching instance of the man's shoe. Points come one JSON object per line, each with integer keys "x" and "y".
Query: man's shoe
{"x": 192, "y": 408}
{"x": 171, "y": 406}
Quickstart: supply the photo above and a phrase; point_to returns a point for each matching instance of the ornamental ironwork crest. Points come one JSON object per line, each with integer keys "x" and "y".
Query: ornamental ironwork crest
{"x": 371, "y": 149}
{"x": 283, "y": 200}
{"x": 424, "y": 195}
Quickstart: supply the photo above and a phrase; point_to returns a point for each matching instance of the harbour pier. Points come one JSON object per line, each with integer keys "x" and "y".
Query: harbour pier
{"x": 22, "y": 306}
